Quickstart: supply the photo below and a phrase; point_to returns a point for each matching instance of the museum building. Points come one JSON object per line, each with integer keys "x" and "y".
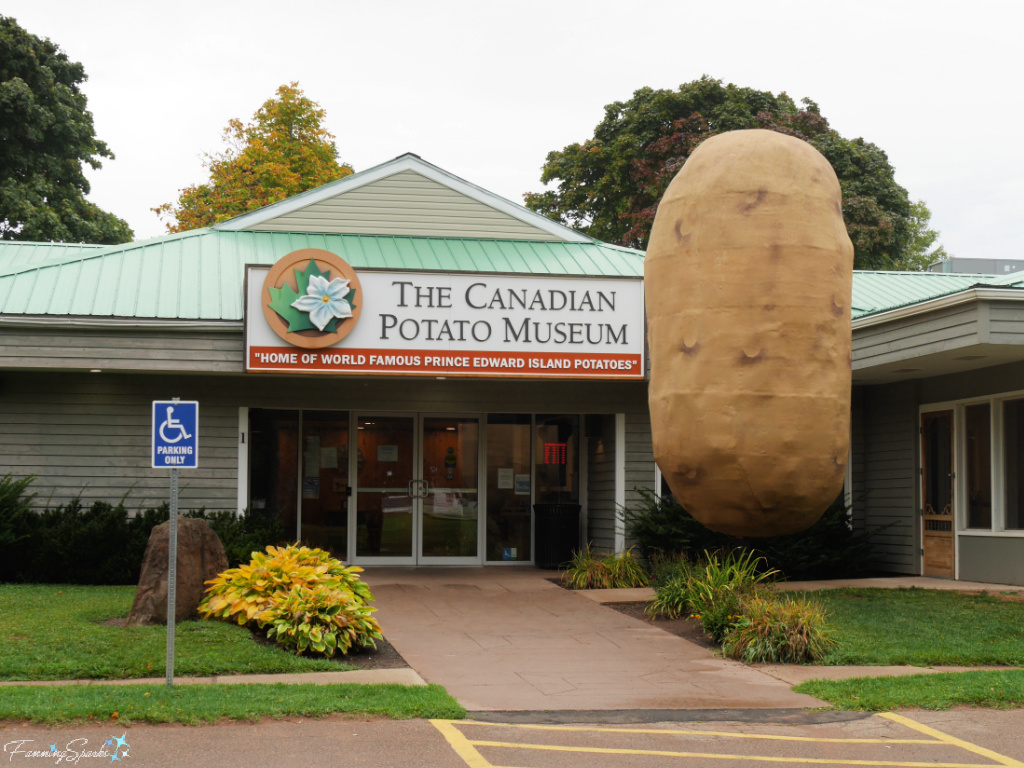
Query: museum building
{"x": 403, "y": 367}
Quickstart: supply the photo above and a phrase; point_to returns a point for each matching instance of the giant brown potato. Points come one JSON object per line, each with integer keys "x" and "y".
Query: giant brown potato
{"x": 748, "y": 279}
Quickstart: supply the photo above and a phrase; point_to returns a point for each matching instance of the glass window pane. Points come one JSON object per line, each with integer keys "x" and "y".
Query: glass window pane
{"x": 556, "y": 459}
{"x": 508, "y": 487}
{"x": 274, "y": 465}
{"x": 1013, "y": 456}
{"x": 385, "y": 471}
{"x": 450, "y": 469}
{"x": 979, "y": 466}
{"x": 325, "y": 481}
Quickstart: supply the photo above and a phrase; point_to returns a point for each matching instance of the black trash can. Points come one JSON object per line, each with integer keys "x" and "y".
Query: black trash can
{"x": 556, "y": 533}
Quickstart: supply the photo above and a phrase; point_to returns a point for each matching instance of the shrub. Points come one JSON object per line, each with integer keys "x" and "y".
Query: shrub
{"x": 671, "y": 600}
{"x": 18, "y": 524}
{"x": 668, "y": 568}
{"x": 309, "y": 600}
{"x": 243, "y": 535}
{"x": 589, "y": 571}
{"x": 103, "y": 543}
{"x": 778, "y": 629}
{"x": 716, "y": 590}
{"x": 625, "y": 571}
{"x": 713, "y": 590}
{"x": 830, "y": 548}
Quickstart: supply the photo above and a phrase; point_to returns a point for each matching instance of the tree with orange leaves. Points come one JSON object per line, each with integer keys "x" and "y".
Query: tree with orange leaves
{"x": 283, "y": 151}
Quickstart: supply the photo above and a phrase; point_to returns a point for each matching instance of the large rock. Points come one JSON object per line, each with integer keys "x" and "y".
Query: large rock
{"x": 200, "y": 558}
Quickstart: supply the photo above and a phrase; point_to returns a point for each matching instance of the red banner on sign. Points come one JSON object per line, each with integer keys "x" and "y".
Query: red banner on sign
{"x": 424, "y": 363}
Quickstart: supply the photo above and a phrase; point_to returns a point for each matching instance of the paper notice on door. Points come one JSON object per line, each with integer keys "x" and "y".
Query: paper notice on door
{"x": 523, "y": 485}
{"x": 506, "y": 477}
{"x": 387, "y": 453}
{"x": 329, "y": 458}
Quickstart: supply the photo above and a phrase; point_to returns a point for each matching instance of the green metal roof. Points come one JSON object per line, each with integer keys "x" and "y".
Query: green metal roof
{"x": 198, "y": 275}
{"x": 18, "y": 255}
{"x": 877, "y": 292}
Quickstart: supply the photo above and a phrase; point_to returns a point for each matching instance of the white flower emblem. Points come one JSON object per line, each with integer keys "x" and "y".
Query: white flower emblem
{"x": 324, "y": 301}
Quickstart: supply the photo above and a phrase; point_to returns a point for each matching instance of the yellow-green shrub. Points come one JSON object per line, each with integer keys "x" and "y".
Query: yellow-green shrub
{"x": 589, "y": 571}
{"x": 776, "y": 628}
{"x": 309, "y": 600}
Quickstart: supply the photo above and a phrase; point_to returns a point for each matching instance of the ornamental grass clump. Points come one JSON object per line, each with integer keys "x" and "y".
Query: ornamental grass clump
{"x": 589, "y": 571}
{"x": 306, "y": 600}
{"x": 778, "y": 629}
{"x": 712, "y": 591}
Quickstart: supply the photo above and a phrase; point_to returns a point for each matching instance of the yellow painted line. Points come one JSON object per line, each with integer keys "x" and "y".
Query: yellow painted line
{"x": 716, "y": 756}
{"x": 461, "y": 744}
{"x": 952, "y": 740}
{"x": 770, "y": 737}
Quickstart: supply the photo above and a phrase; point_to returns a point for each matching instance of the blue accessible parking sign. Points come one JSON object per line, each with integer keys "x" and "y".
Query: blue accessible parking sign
{"x": 175, "y": 434}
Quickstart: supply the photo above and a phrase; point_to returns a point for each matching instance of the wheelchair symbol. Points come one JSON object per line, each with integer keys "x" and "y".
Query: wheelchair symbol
{"x": 173, "y": 424}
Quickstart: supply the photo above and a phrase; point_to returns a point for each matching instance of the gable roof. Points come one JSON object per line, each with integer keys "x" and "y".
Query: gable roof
{"x": 405, "y": 196}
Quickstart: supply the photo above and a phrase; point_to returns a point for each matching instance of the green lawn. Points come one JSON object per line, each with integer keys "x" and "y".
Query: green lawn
{"x": 56, "y": 633}
{"x": 208, "y": 703}
{"x": 999, "y": 690}
{"x": 922, "y": 627}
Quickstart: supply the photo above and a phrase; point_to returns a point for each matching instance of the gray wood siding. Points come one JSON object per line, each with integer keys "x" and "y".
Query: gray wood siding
{"x": 121, "y": 349}
{"x": 951, "y": 328}
{"x": 1005, "y": 322}
{"x": 992, "y": 559}
{"x": 857, "y": 457}
{"x": 639, "y": 458}
{"x": 888, "y": 493}
{"x": 88, "y": 436}
{"x": 405, "y": 203}
{"x": 601, "y": 485}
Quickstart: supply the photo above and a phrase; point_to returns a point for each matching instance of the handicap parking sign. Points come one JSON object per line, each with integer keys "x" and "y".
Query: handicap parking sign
{"x": 175, "y": 434}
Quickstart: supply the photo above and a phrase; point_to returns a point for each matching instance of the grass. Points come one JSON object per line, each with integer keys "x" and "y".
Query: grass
{"x": 192, "y": 704}
{"x": 998, "y": 690}
{"x": 922, "y": 627}
{"x": 56, "y": 633}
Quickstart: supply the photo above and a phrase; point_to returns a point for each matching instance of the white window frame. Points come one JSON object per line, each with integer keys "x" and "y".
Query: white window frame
{"x": 998, "y": 458}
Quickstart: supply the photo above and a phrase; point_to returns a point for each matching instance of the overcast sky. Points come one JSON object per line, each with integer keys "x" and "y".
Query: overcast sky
{"x": 486, "y": 90}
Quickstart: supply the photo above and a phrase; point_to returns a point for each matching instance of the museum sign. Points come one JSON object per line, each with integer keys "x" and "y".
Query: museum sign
{"x": 312, "y": 313}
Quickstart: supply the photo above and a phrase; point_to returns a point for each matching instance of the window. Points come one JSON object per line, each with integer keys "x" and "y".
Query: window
{"x": 1013, "y": 464}
{"x": 978, "y": 422}
{"x": 555, "y": 459}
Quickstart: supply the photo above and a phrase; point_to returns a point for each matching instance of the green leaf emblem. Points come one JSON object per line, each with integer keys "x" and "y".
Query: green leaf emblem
{"x": 281, "y": 300}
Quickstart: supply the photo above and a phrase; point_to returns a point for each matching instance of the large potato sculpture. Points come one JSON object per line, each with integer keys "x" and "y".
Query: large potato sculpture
{"x": 748, "y": 280}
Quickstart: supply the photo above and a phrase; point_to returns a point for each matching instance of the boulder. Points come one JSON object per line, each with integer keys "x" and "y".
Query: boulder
{"x": 200, "y": 558}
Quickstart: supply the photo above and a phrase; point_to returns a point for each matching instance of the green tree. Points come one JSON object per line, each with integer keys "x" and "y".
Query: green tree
{"x": 285, "y": 150}
{"x": 46, "y": 135}
{"x": 609, "y": 186}
{"x": 922, "y": 251}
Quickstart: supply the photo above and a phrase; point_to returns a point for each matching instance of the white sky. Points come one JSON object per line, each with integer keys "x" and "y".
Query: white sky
{"x": 486, "y": 90}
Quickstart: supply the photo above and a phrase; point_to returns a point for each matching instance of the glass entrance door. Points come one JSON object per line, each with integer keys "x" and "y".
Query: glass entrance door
{"x": 450, "y": 491}
{"x": 417, "y": 490}
{"x": 385, "y": 463}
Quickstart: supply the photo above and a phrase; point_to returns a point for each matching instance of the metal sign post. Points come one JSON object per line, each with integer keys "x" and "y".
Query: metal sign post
{"x": 175, "y": 446}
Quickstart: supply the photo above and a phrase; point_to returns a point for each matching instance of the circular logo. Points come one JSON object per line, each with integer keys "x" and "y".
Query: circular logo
{"x": 312, "y": 298}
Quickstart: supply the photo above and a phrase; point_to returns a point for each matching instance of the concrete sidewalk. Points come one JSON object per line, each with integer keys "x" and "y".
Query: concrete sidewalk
{"x": 505, "y": 639}
{"x": 509, "y": 639}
